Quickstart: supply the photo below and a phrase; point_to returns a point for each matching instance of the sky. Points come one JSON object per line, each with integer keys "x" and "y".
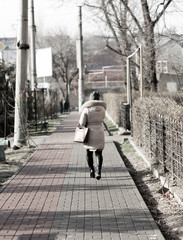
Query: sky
{"x": 50, "y": 18}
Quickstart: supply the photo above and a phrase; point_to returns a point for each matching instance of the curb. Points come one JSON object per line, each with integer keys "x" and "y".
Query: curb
{"x": 156, "y": 173}
{"x": 5, "y": 184}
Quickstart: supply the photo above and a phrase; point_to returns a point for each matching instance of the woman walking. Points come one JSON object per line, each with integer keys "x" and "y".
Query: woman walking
{"x": 92, "y": 116}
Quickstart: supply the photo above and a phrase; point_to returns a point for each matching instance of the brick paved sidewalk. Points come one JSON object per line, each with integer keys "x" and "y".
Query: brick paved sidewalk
{"x": 53, "y": 198}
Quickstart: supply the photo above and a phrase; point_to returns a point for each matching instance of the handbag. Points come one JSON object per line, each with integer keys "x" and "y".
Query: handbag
{"x": 81, "y": 134}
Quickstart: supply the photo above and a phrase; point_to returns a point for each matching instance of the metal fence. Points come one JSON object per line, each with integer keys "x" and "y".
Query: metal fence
{"x": 162, "y": 140}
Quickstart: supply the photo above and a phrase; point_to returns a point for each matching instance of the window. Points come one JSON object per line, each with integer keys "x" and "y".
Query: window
{"x": 162, "y": 67}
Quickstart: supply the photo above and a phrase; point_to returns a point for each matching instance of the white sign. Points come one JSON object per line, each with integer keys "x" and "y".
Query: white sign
{"x": 43, "y": 85}
{"x": 44, "y": 62}
{"x": 172, "y": 86}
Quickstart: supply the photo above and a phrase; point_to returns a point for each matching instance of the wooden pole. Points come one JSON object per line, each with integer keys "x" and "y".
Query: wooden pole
{"x": 33, "y": 48}
{"x": 80, "y": 61}
{"x": 33, "y": 59}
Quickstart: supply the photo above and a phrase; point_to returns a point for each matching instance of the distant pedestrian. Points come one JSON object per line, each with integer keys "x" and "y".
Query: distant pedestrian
{"x": 66, "y": 106}
{"x": 61, "y": 107}
{"x": 92, "y": 116}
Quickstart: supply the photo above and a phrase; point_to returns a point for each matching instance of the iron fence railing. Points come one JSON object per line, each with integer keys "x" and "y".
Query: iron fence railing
{"x": 161, "y": 139}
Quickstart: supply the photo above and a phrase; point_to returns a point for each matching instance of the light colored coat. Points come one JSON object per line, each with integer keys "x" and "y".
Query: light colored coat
{"x": 92, "y": 115}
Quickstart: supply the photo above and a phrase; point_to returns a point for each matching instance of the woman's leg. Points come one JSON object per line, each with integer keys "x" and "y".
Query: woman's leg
{"x": 89, "y": 157}
{"x": 99, "y": 163}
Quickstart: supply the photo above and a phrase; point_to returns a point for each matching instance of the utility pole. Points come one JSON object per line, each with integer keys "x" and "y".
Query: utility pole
{"x": 33, "y": 59}
{"x": 80, "y": 61}
{"x": 20, "y": 121}
{"x": 33, "y": 48}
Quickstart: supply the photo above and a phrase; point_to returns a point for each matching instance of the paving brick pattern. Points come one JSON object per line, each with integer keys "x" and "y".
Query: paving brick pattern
{"x": 53, "y": 198}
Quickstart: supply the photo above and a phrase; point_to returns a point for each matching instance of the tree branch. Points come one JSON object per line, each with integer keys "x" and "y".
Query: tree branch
{"x": 115, "y": 50}
{"x": 133, "y": 16}
{"x": 163, "y": 10}
{"x": 111, "y": 26}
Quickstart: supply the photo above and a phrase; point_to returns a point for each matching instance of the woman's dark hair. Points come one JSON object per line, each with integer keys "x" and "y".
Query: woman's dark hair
{"x": 95, "y": 95}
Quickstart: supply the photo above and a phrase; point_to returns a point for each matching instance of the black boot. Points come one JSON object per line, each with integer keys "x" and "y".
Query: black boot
{"x": 98, "y": 177}
{"x": 92, "y": 172}
{"x": 99, "y": 164}
{"x": 89, "y": 158}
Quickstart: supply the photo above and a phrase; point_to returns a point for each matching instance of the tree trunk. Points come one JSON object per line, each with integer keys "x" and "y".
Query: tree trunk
{"x": 150, "y": 60}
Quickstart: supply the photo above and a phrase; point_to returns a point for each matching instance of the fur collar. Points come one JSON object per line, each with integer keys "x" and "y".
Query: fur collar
{"x": 92, "y": 103}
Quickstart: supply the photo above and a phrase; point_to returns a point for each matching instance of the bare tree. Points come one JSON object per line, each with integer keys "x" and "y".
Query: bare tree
{"x": 133, "y": 23}
{"x": 64, "y": 62}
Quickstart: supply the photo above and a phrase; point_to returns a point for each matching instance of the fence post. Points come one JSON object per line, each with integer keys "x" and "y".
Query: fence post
{"x": 141, "y": 72}
{"x": 156, "y": 139}
{"x": 150, "y": 135}
{"x": 128, "y": 81}
{"x": 164, "y": 144}
{"x": 172, "y": 152}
